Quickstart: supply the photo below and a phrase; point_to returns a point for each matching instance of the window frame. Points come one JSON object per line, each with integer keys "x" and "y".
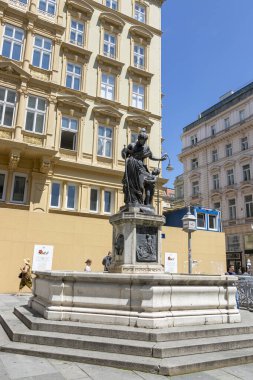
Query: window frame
{"x": 5, "y": 173}
{"x": 13, "y": 41}
{"x": 23, "y": 175}
{"x": 195, "y": 185}
{"x": 48, "y": 3}
{"x": 59, "y": 196}
{"x": 73, "y": 76}
{"x": 138, "y": 15}
{"x": 70, "y": 184}
{"x": 105, "y": 139}
{"x": 42, "y": 51}
{"x": 227, "y": 122}
{"x": 111, "y": 2}
{"x": 229, "y": 150}
{"x": 7, "y": 104}
{"x": 205, "y": 221}
{"x": 106, "y": 86}
{"x": 216, "y": 181}
{"x": 70, "y": 130}
{"x": 230, "y": 177}
{"x": 194, "y": 163}
{"x": 139, "y": 96}
{"x": 248, "y": 206}
{"x": 232, "y": 209}
{"x": 110, "y": 44}
{"x": 111, "y": 202}
{"x": 242, "y": 115}
{"x": 36, "y": 112}
{"x": 77, "y": 32}
{"x": 215, "y": 155}
{"x": 244, "y": 143}
{"x": 137, "y": 56}
{"x": 246, "y": 175}
{"x": 97, "y": 200}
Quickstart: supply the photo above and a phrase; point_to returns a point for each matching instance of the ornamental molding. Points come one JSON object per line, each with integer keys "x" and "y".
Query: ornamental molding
{"x": 141, "y": 121}
{"x": 109, "y": 64}
{"x": 11, "y": 68}
{"x": 80, "y": 5}
{"x": 72, "y": 101}
{"x": 136, "y": 73}
{"x": 14, "y": 158}
{"x": 45, "y": 165}
{"x": 229, "y": 163}
{"x": 141, "y": 32}
{"x": 108, "y": 19}
{"x": 108, "y": 111}
{"x": 245, "y": 158}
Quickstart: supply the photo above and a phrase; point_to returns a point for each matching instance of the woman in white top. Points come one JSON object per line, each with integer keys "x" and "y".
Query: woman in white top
{"x": 87, "y": 266}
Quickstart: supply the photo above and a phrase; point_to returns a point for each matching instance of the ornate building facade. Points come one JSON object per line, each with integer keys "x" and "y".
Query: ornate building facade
{"x": 217, "y": 158}
{"x": 78, "y": 79}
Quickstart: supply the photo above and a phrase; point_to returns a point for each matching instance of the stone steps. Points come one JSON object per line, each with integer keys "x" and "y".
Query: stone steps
{"x": 212, "y": 347}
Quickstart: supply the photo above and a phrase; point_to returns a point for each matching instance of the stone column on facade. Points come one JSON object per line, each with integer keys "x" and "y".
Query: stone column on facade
{"x": 115, "y": 149}
{"x": 2, "y": 8}
{"x": 80, "y": 139}
{"x": 33, "y": 6}
{"x": 95, "y": 136}
{"x": 20, "y": 115}
{"x": 51, "y": 123}
{"x": 28, "y": 46}
{"x": 56, "y": 60}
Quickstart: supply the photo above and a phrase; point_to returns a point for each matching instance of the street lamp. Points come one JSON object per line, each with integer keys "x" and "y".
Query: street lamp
{"x": 248, "y": 265}
{"x": 169, "y": 168}
{"x": 189, "y": 225}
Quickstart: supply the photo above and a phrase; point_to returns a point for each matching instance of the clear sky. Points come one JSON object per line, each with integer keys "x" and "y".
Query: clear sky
{"x": 207, "y": 50}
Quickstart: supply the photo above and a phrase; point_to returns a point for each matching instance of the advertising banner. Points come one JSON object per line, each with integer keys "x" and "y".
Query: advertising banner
{"x": 42, "y": 257}
{"x": 170, "y": 262}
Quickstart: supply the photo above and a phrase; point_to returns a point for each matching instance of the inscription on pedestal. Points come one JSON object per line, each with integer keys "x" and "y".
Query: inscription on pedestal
{"x": 146, "y": 244}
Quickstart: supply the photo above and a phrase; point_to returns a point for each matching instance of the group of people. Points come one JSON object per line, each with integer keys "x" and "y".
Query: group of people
{"x": 106, "y": 262}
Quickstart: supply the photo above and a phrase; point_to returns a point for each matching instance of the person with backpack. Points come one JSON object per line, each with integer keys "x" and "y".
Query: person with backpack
{"x": 107, "y": 260}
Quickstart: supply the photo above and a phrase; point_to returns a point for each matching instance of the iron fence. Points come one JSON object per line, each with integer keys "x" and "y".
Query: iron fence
{"x": 245, "y": 292}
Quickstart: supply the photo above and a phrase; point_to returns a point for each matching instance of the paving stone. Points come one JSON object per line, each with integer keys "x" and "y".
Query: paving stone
{"x": 241, "y": 372}
{"x": 70, "y": 371}
{"x": 108, "y": 373}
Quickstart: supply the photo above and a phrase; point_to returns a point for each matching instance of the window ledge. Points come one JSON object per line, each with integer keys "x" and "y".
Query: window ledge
{"x": 107, "y": 61}
{"x": 80, "y": 50}
{"x": 104, "y": 159}
{"x": 12, "y": 205}
{"x": 67, "y": 152}
{"x": 41, "y": 136}
{"x": 139, "y": 110}
{"x": 79, "y": 213}
{"x": 40, "y": 70}
{"x": 6, "y": 128}
{"x": 140, "y": 72}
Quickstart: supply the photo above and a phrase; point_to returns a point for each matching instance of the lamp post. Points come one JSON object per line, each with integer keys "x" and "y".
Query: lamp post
{"x": 189, "y": 226}
{"x": 169, "y": 168}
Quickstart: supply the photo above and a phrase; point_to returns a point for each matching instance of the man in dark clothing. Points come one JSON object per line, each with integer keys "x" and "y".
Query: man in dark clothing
{"x": 107, "y": 260}
{"x": 231, "y": 270}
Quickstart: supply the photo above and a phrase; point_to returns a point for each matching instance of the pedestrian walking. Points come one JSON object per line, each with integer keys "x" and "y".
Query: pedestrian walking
{"x": 25, "y": 276}
{"x": 107, "y": 260}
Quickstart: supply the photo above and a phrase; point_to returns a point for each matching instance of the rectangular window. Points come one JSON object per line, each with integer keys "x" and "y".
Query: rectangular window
{"x": 134, "y": 137}
{"x": 7, "y": 106}
{"x": 138, "y": 96}
{"x": 42, "y": 51}
{"x": 213, "y": 130}
{"x": 3, "y": 179}
{"x": 107, "y": 202}
{"x": 195, "y": 188}
{"x": 12, "y": 42}
{"x": 108, "y": 86}
{"x": 110, "y": 45}
{"x": 231, "y": 209}
{"x": 246, "y": 172}
{"x": 216, "y": 183}
{"x": 244, "y": 143}
{"x": 212, "y": 222}
{"x": 104, "y": 141}
{"x": 18, "y": 192}
{"x": 194, "y": 140}
{"x": 35, "y": 114}
{"x": 113, "y": 4}
{"x": 201, "y": 220}
{"x": 241, "y": 115}
{"x": 69, "y": 129}
{"x": 139, "y": 56}
{"x": 214, "y": 155}
{"x": 47, "y": 6}
{"x": 71, "y": 194}
{"x": 229, "y": 150}
{"x": 76, "y": 33}
{"x": 248, "y": 206}
{"x": 140, "y": 12}
{"x": 226, "y": 123}
{"x": 230, "y": 177}
{"x": 94, "y": 200}
{"x": 55, "y": 195}
{"x": 233, "y": 243}
{"x": 73, "y": 76}
{"x": 216, "y": 205}
{"x": 195, "y": 163}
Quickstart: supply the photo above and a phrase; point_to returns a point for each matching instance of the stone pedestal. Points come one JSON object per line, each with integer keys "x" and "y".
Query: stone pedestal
{"x": 136, "y": 245}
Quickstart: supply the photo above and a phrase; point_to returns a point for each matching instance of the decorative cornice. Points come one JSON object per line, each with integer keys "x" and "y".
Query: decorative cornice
{"x": 78, "y": 50}
{"x": 142, "y": 121}
{"x": 108, "y": 18}
{"x": 11, "y": 68}
{"x": 109, "y": 62}
{"x": 80, "y": 5}
{"x": 135, "y": 71}
{"x": 107, "y": 111}
{"x": 72, "y": 100}
{"x": 141, "y": 32}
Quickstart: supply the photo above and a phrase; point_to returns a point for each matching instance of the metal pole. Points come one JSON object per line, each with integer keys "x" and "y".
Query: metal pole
{"x": 189, "y": 253}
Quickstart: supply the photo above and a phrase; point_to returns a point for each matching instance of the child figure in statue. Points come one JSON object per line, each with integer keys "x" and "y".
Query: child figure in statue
{"x": 138, "y": 182}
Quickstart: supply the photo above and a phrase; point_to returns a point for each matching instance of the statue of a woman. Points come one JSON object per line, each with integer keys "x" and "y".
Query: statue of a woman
{"x": 138, "y": 182}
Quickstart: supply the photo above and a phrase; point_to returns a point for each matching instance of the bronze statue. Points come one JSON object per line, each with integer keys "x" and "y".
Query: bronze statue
{"x": 138, "y": 182}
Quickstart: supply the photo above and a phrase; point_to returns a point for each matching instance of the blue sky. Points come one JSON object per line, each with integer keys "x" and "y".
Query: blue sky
{"x": 207, "y": 50}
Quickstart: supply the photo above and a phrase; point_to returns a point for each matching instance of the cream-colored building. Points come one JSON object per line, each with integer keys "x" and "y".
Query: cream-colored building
{"x": 78, "y": 79}
{"x": 217, "y": 157}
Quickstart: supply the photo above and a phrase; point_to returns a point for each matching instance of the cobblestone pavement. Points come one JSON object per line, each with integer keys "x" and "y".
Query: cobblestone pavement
{"x": 14, "y": 366}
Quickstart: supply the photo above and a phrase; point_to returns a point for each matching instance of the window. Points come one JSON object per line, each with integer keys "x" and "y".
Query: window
{"x": 108, "y": 86}
{"x": 216, "y": 183}
{"x": 112, "y": 4}
{"x": 71, "y": 195}
{"x": 246, "y": 172}
{"x": 104, "y": 141}
{"x": 3, "y": 178}
{"x": 35, "y": 114}
{"x": 110, "y": 45}
{"x": 18, "y": 192}
{"x": 107, "y": 201}
{"x": 216, "y": 205}
{"x": 213, "y": 130}
{"x": 140, "y": 12}
{"x": 47, "y": 6}
{"x": 138, "y": 96}
{"x": 94, "y": 200}
{"x": 248, "y": 206}
{"x": 195, "y": 163}
{"x": 73, "y": 76}
{"x": 195, "y": 188}
{"x": 55, "y": 195}
{"x": 12, "y": 42}
{"x": 7, "y": 106}
{"x": 244, "y": 143}
{"x": 214, "y": 155}
{"x": 230, "y": 177}
{"x": 69, "y": 129}
{"x": 42, "y": 50}
{"x": 194, "y": 139}
{"x": 231, "y": 209}
{"x": 226, "y": 123}
{"x": 201, "y": 220}
{"x": 134, "y": 137}
{"x": 76, "y": 33}
{"x": 212, "y": 222}
{"x": 139, "y": 56}
{"x": 233, "y": 243}
{"x": 229, "y": 151}
{"x": 241, "y": 115}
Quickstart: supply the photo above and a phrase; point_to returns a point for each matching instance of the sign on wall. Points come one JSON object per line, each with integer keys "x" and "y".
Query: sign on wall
{"x": 170, "y": 262}
{"x": 42, "y": 257}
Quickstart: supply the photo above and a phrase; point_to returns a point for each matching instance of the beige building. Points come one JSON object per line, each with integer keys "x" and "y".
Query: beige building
{"x": 217, "y": 158}
{"x": 78, "y": 79}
